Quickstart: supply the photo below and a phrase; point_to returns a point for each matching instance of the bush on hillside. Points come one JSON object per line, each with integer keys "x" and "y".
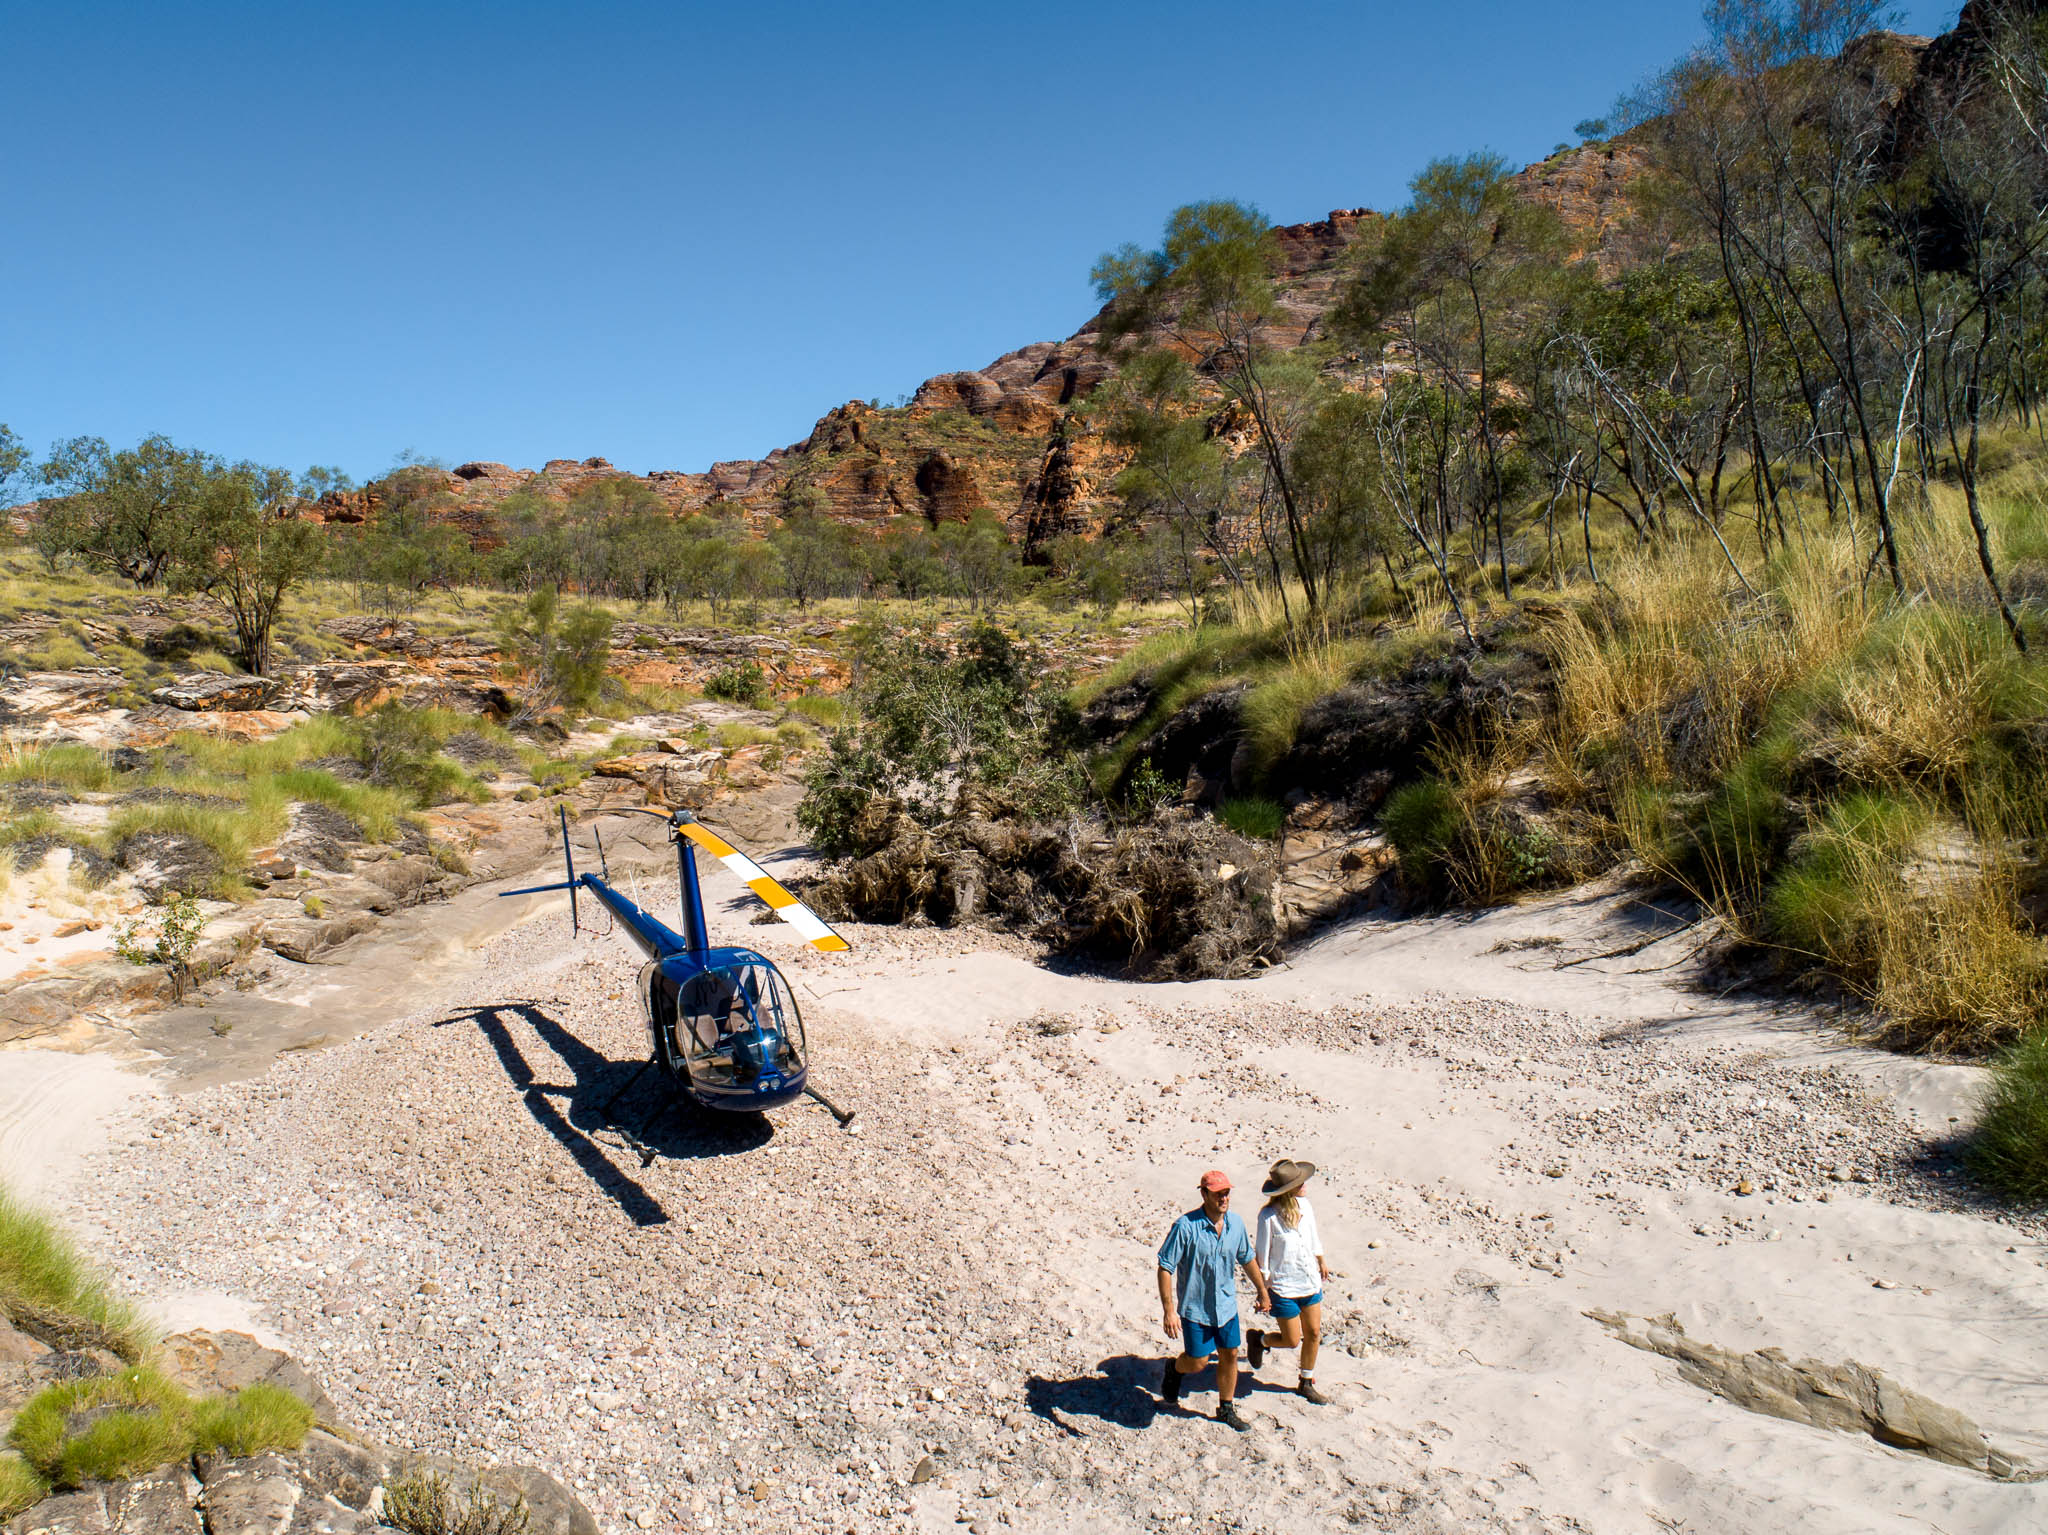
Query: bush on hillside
{"x": 990, "y": 715}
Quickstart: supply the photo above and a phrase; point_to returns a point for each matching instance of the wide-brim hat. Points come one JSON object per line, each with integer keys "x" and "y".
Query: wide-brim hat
{"x": 1285, "y": 1177}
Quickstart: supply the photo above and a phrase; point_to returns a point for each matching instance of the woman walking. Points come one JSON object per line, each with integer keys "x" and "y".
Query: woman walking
{"x": 1290, "y": 1252}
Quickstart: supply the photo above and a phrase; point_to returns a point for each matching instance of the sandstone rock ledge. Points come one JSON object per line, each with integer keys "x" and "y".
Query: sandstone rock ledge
{"x": 334, "y": 1484}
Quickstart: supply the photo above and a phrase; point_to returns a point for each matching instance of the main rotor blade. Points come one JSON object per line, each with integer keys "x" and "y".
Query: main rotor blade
{"x": 780, "y": 901}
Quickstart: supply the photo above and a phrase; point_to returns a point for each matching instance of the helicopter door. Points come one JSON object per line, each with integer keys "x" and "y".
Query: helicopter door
{"x": 709, "y": 1008}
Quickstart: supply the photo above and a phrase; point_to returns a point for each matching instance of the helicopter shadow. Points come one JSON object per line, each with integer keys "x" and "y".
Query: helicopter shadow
{"x": 603, "y": 1098}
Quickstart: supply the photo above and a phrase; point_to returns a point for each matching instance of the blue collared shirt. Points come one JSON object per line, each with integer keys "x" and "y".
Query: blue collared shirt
{"x": 1204, "y": 1262}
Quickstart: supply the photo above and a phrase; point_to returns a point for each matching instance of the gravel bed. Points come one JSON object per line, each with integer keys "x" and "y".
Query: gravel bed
{"x": 793, "y": 1327}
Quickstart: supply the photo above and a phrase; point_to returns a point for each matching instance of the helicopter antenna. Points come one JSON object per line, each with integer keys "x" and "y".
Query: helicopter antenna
{"x": 604, "y": 869}
{"x": 569, "y": 861}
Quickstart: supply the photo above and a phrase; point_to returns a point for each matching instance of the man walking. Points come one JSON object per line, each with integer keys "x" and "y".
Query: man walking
{"x": 1198, "y": 1294}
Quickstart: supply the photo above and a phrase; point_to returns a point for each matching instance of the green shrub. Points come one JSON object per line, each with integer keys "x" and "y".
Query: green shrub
{"x": 1145, "y": 791}
{"x": 425, "y": 1503}
{"x": 401, "y": 749}
{"x": 741, "y": 683}
{"x": 254, "y": 1420}
{"x": 1421, "y": 820}
{"x": 1262, "y": 820}
{"x": 20, "y": 1487}
{"x": 48, "y": 1290}
{"x": 2009, "y": 1146}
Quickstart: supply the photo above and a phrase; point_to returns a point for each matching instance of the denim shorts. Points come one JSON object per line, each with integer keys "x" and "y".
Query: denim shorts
{"x": 1201, "y": 1341}
{"x": 1287, "y": 1306}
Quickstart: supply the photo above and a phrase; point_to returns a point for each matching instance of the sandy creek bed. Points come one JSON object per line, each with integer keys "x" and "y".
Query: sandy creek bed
{"x": 775, "y": 1326}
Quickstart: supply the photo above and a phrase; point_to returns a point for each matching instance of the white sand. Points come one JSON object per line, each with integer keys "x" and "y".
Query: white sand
{"x": 56, "y": 1108}
{"x": 1438, "y": 1079}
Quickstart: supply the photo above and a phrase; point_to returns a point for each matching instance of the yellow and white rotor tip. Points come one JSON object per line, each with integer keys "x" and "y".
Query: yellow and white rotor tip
{"x": 786, "y": 906}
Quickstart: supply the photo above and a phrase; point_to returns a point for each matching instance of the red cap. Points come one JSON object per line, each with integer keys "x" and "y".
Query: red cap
{"x": 1214, "y": 1181}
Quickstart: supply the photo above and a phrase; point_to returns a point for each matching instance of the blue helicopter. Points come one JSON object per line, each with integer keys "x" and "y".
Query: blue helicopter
{"x": 723, "y": 1022}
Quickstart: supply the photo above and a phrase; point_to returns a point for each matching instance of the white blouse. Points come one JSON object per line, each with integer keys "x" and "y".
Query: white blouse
{"x": 1288, "y": 1254}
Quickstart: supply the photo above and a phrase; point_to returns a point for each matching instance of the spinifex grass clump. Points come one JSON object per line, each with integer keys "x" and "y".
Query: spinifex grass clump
{"x": 49, "y": 1291}
{"x": 113, "y": 1427}
{"x": 20, "y": 1487}
{"x": 105, "y": 1429}
{"x": 1262, "y": 820}
{"x": 2009, "y": 1149}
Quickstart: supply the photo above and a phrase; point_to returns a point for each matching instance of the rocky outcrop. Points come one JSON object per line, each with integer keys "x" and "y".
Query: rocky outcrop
{"x": 338, "y": 1482}
{"x": 1849, "y": 1398}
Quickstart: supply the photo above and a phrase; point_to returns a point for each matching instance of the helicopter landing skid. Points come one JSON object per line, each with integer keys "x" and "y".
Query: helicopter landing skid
{"x": 844, "y": 1116}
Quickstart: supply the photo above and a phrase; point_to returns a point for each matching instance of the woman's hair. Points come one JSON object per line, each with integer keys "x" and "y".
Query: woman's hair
{"x": 1289, "y": 1207}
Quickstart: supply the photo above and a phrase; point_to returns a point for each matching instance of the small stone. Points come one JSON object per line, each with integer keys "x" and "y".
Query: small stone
{"x": 1883, "y": 1284}
{"x": 923, "y": 1472}
{"x": 1744, "y": 1187}
{"x": 647, "y": 1518}
{"x": 430, "y": 1287}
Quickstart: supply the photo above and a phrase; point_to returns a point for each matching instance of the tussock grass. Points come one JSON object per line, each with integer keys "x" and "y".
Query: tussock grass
{"x": 79, "y": 768}
{"x": 20, "y": 1487}
{"x": 254, "y": 1420}
{"x": 113, "y": 1427}
{"x": 143, "y": 1422}
{"x": 825, "y": 710}
{"x": 377, "y": 810}
{"x": 2009, "y": 1144}
{"x": 48, "y": 1288}
{"x": 733, "y": 736}
{"x": 1261, "y": 820}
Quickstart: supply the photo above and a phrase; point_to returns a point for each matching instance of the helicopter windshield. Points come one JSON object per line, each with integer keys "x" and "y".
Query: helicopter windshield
{"x": 739, "y": 1023}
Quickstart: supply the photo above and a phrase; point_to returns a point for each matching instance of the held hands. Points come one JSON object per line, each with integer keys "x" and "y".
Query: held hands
{"x": 1265, "y": 1302}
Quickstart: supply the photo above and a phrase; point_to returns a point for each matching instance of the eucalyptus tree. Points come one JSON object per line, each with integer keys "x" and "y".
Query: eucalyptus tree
{"x": 1207, "y": 295}
{"x": 1455, "y": 275}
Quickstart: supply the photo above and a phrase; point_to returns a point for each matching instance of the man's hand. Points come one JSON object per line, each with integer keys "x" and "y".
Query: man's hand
{"x": 1265, "y": 1303}
{"x": 1166, "y": 1315}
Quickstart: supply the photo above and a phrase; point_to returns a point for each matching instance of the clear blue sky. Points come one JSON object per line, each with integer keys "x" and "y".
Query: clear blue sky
{"x": 673, "y": 233}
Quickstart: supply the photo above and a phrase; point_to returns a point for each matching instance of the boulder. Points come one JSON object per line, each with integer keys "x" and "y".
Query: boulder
{"x": 208, "y": 692}
{"x": 319, "y": 836}
{"x": 167, "y": 862}
{"x": 216, "y": 1363}
{"x": 306, "y": 939}
{"x": 1851, "y": 1397}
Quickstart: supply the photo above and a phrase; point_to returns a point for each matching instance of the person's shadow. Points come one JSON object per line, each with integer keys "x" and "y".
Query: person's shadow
{"x": 1124, "y": 1390}
{"x": 652, "y": 1117}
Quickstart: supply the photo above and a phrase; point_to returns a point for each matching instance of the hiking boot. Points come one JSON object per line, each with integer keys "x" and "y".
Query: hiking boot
{"x": 1169, "y": 1388}
{"x": 1306, "y": 1390}
{"x": 1228, "y": 1415}
{"x": 1255, "y": 1347}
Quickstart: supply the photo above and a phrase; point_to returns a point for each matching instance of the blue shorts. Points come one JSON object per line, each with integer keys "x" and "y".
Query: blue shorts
{"x": 1287, "y": 1306}
{"x": 1201, "y": 1341}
